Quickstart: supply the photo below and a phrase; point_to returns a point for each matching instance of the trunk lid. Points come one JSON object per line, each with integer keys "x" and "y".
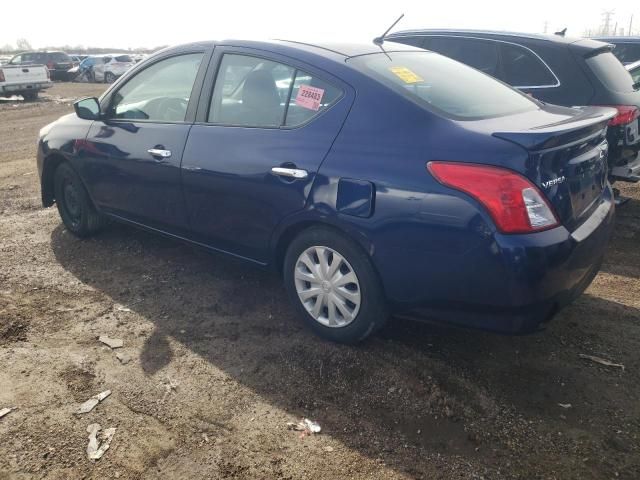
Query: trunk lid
{"x": 567, "y": 157}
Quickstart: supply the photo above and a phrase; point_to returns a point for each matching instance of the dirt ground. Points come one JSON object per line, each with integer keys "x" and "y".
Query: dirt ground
{"x": 219, "y": 363}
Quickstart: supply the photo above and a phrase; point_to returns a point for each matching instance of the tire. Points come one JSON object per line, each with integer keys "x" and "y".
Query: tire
{"x": 364, "y": 315}
{"x": 109, "y": 77}
{"x": 30, "y": 95}
{"x": 74, "y": 205}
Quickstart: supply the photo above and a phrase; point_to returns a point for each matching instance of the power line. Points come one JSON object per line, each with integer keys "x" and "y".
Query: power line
{"x": 606, "y": 21}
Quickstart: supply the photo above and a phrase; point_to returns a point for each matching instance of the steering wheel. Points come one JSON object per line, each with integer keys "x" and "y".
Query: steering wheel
{"x": 171, "y": 109}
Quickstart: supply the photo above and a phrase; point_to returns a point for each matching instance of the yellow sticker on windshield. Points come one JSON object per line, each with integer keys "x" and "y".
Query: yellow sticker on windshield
{"x": 406, "y": 75}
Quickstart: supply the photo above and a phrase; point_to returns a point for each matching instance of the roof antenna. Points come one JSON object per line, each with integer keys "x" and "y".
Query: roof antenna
{"x": 562, "y": 32}
{"x": 380, "y": 40}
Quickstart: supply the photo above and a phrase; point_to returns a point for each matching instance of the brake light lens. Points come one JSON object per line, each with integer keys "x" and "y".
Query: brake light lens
{"x": 626, "y": 114}
{"x": 50, "y": 65}
{"x": 2, "y": 79}
{"x": 514, "y": 203}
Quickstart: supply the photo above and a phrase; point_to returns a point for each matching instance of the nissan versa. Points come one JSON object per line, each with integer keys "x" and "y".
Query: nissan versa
{"x": 377, "y": 182}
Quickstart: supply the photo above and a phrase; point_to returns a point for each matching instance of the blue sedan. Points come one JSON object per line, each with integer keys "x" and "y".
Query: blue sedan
{"x": 376, "y": 181}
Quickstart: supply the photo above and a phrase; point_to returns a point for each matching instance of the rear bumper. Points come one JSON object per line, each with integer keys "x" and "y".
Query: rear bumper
{"x": 515, "y": 283}
{"x": 627, "y": 173}
{"x": 24, "y": 87}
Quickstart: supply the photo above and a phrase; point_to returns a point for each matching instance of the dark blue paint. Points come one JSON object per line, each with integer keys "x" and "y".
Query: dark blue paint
{"x": 436, "y": 250}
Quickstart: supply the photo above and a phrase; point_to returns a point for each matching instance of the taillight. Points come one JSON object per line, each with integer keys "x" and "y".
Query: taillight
{"x": 626, "y": 114}
{"x": 514, "y": 203}
{"x": 50, "y": 65}
{"x": 1, "y": 76}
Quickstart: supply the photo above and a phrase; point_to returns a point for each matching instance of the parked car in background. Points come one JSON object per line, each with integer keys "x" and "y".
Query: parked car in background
{"x": 555, "y": 69}
{"x": 627, "y": 49}
{"x": 4, "y": 59}
{"x": 77, "y": 59}
{"x": 634, "y": 71}
{"x": 58, "y": 63}
{"x": 105, "y": 68}
{"x": 375, "y": 181}
{"x": 25, "y": 80}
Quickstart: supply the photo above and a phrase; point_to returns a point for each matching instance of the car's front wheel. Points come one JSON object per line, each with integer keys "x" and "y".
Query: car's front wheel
{"x": 74, "y": 205}
{"x": 334, "y": 286}
{"x": 109, "y": 77}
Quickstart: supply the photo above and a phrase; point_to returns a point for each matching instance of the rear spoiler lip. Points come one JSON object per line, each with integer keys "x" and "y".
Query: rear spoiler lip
{"x": 594, "y": 119}
{"x": 597, "y": 51}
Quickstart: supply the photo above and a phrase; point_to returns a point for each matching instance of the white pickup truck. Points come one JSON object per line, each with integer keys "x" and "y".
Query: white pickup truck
{"x": 25, "y": 80}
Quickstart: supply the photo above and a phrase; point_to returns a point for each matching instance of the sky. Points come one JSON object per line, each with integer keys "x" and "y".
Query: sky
{"x": 142, "y": 23}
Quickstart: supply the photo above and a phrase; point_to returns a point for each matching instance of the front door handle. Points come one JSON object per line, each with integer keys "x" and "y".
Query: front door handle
{"x": 290, "y": 172}
{"x": 158, "y": 152}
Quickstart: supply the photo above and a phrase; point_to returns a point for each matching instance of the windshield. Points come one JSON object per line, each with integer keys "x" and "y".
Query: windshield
{"x": 444, "y": 85}
{"x": 610, "y": 72}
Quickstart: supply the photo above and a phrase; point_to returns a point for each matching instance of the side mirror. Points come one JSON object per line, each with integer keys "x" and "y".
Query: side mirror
{"x": 87, "y": 108}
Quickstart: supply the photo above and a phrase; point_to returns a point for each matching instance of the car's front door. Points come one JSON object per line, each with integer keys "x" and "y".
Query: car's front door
{"x": 131, "y": 158}
{"x": 253, "y": 154}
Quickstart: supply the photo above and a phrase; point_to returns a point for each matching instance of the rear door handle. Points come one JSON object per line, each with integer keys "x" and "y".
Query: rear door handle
{"x": 290, "y": 172}
{"x": 157, "y": 152}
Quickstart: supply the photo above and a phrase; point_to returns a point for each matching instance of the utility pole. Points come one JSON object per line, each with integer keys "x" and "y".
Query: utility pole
{"x": 630, "y": 24}
{"x": 606, "y": 21}
{"x": 546, "y": 25}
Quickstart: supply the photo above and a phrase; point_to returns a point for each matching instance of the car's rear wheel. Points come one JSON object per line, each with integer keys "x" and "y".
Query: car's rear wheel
{"x": 74, "y": 205}
{"x": 334, "y": 286}
{"x": 109, "y": 77}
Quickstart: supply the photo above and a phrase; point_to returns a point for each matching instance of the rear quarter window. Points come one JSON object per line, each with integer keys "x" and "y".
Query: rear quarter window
{"x": 124, "y": 59}
{"x": 59, "y": 57}
{"x": 608, "y": 69}
{"x": 522, "y": 68}
{"x": 443, "y": 85}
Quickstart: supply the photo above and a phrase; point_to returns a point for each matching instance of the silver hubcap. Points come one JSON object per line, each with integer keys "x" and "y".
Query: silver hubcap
{"x": 327, "y": 286}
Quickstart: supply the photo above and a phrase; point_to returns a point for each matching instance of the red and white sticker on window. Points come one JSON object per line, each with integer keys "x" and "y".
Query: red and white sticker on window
{"x": 309, "y": 97}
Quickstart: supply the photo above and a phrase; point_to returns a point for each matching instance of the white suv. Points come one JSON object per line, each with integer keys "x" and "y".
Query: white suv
{"x": 106, "y": 68}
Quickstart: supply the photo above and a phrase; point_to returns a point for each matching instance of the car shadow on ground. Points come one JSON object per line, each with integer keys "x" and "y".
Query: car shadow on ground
{"x": 466, "y": 388}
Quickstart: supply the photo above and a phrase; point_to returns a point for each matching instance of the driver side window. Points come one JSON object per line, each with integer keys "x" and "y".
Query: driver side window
{"x": 160, "y": 92}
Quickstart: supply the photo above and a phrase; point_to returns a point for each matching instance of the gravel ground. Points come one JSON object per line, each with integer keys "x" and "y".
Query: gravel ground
{"x": 219, "y": 363}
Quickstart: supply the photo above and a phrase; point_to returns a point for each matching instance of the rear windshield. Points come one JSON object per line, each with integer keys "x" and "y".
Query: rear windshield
{"x": 610, "y": 72}
{"x": 124, "y": 58}
{"x": 444, "y": 85}
{"x": 59, "y": 57}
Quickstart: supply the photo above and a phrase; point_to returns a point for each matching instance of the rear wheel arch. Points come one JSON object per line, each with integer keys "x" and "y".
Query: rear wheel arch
{"x": 296, "y": 229}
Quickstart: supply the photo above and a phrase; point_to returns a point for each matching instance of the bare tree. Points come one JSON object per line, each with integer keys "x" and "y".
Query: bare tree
{"x": 23, "y": 44}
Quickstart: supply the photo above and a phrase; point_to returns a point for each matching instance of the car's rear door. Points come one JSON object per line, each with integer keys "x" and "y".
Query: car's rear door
{"x": 131, "y": 158}
{"x": 253, "y": 154}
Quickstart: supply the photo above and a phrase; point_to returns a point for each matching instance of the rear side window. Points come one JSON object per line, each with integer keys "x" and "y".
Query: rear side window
{"x": 443, "y": 85}
{"x": 420, "y": 42}
{"x": 124, "y": 58}
{"x": 610, "y": 72}
{"x": 479, "y": 54}
{"x": 309, "y": 96}
{"x": 522, "y": 68}
{"x": 59, "y": 57}
{"x": 256, "y": 92}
